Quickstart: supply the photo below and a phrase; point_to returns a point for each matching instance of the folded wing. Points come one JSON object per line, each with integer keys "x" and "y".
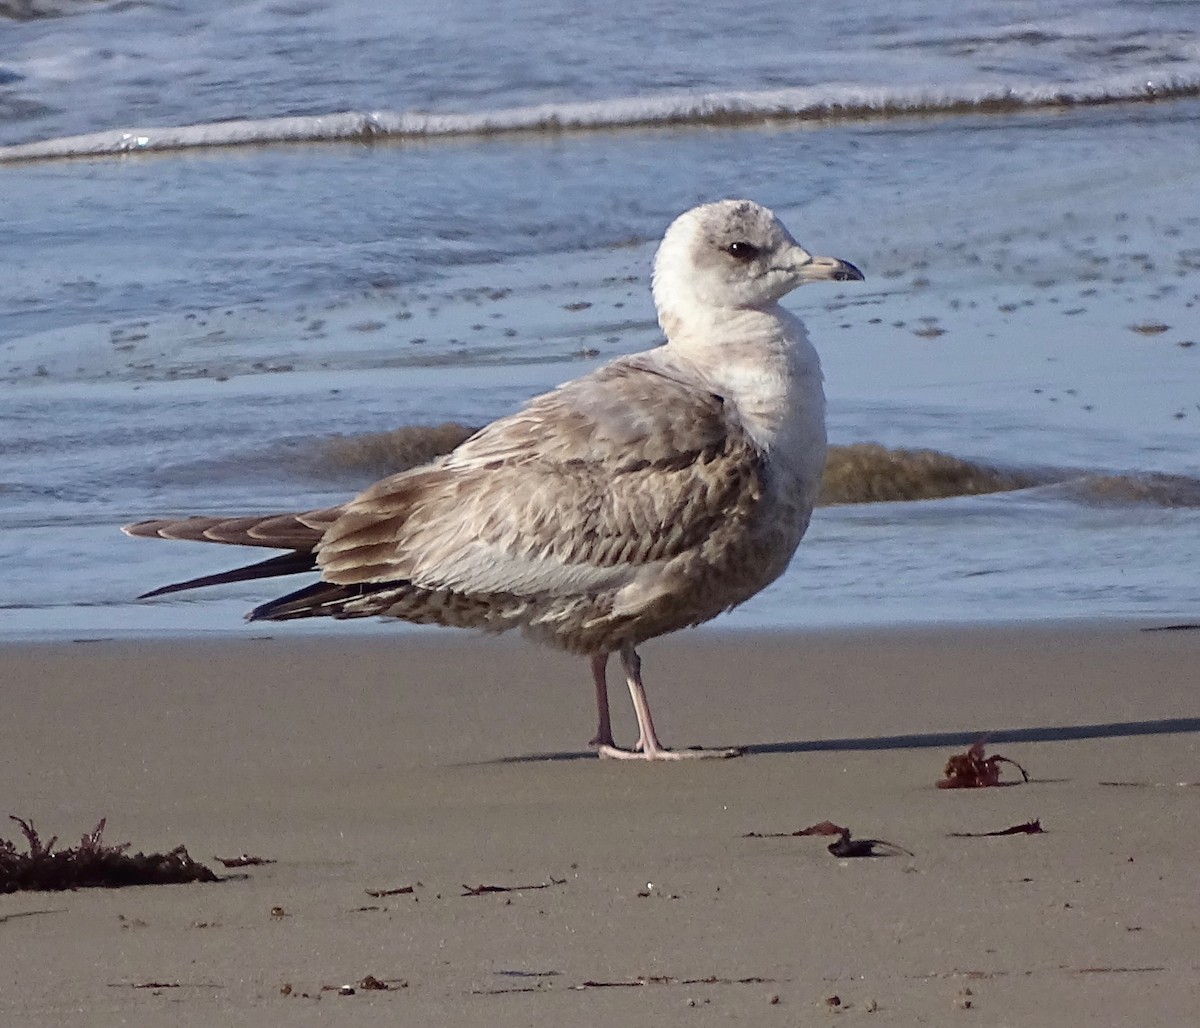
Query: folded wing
{"x": 585, "y": 489}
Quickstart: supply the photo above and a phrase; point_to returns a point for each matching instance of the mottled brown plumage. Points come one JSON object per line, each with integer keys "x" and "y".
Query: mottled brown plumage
{"x": 645, "y": 497}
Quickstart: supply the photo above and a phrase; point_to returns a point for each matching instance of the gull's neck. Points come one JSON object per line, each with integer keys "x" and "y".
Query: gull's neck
{"x": 717, "y": 336}
{"x": 761, "y": 360}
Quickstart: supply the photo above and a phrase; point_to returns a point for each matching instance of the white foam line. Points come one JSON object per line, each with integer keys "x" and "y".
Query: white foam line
{"x": 835, "y": 102}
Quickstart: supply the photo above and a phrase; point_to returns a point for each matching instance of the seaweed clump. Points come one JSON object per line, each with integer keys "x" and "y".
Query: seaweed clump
{"x": 90, "y": 865}
{"x": 388, "y": 453}
{"x": 870, "y": 473}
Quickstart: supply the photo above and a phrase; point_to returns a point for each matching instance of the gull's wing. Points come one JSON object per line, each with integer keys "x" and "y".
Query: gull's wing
{"x": 624, "y": 468}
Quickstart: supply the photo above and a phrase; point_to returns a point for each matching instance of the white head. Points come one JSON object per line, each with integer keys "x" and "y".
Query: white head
{"x": 733, "y": 255}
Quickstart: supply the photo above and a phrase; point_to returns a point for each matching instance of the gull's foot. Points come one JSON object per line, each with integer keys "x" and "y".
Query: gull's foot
{"x": 609, "y": 752}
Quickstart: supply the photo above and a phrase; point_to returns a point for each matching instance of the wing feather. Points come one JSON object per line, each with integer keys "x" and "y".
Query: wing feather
{"x": 584, "y": 489}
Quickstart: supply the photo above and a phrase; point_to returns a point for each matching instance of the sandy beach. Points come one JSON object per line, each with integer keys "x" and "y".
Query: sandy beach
{"x": 439, "y": 761}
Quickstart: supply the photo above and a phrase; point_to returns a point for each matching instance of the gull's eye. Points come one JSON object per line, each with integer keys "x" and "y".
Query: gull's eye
{"x": 742, "y": 251}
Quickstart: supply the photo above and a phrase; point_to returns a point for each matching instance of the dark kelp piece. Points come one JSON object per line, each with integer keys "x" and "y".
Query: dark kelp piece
{"x": 481, "y": 890}
{"x": 1027, "y": 828}
{"x": 245, "y": 860}
{"x": 845, "y": 846}
{"x": 91, "y": 864}
{"x": 972, "y": 770}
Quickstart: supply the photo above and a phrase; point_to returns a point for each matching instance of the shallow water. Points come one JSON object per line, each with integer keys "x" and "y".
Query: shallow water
{"x": 178, "y": 328}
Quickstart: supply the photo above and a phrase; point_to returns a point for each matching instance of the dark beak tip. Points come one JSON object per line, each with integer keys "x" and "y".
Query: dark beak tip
{"x": 848, "y": 273}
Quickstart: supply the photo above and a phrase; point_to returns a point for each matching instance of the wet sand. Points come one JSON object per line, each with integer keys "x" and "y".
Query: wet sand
{"x": 438, "y": 761}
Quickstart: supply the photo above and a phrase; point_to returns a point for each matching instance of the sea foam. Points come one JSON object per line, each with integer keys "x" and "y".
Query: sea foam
{"x": 732, "y": 109}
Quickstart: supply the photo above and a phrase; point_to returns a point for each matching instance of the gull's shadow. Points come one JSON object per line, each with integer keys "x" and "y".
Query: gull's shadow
{"x": 923, "y": 740}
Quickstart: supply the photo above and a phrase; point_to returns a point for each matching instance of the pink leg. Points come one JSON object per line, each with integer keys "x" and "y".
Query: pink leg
{"x": 648, "y": 747}
{"x": 604, "y": 736}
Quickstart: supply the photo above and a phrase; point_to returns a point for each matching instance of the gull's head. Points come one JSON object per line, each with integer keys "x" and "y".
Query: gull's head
{"x": 733, "y": 255}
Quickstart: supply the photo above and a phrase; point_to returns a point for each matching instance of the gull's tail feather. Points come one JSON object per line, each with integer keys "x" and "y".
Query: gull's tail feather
{"x": 299, "y": 533}
{"x": 275, "y": 531}
{"x": 285, "y": 564}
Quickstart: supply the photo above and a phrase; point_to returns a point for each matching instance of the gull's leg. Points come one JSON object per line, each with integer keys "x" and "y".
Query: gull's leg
{"x": 604, "y": 736}
{"x": 648, "y": 747}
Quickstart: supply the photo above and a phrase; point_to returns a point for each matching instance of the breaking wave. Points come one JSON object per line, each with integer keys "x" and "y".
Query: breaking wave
{"x": 725, "y": 110}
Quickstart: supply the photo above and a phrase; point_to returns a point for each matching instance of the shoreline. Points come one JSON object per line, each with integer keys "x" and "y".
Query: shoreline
{"x": 720, "y": 630}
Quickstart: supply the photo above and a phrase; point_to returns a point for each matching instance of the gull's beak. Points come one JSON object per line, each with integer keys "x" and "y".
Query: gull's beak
{"x": 822, "y": 269}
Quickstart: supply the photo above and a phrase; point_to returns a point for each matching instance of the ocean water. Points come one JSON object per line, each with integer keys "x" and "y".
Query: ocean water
{"x": 229, "y": 234}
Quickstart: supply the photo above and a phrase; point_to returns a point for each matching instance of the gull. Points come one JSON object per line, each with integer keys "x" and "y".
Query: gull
{"x": 647, "y": 496}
